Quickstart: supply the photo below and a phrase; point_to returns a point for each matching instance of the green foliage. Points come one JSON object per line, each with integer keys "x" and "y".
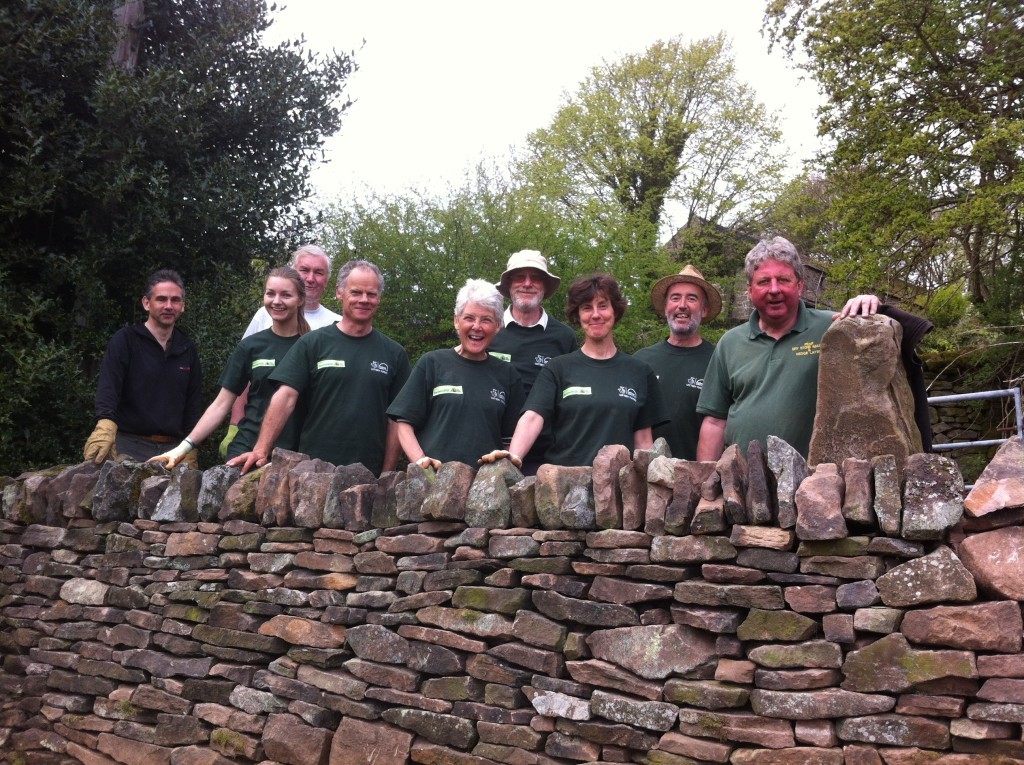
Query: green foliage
{"x": 946, "y": 306}
{"x": 927, "y": 118}
{"x": 195, "y": 159}
{"x": 428, "y": 246}
{"x": 671, "y": 125}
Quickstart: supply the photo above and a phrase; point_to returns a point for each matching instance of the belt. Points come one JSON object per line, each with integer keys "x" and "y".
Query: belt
{"x": 154, "y": 439}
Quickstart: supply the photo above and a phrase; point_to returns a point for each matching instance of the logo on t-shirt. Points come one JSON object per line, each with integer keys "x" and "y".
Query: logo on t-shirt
{"x": 695, "y": 382}
{"x": 540, "y": 360}
{"x": 497, "y": 395}
{"x": 331, "y": 364}
{"x": 257, "y": 363}
{"x": 502, "y": 356}
{"x": 576, "y": 390}
{"x": 625, "y": 392}
{"x": 448, "y": 390}
{"x": 380, "y": 366}
{"x": 810, "y": 348}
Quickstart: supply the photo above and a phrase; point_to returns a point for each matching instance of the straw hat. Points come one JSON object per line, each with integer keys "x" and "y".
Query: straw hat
{"x": 528, "y": 259}
{"x": 690, "y": 275}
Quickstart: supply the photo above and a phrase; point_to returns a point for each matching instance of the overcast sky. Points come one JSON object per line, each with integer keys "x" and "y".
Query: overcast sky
{"x": 443, "y": 83}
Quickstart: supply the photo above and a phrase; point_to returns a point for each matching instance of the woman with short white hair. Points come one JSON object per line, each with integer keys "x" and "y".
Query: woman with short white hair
{"x": 460, "y": 402}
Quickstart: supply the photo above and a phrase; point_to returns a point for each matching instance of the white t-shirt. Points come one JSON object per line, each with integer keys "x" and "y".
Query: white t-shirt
{"x": 320, "y": 317}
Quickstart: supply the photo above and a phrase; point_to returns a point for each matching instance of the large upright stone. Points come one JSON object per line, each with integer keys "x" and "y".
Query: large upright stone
{"x": 489, "y": 505}
{"x": 865, "y": 405}
{"x": 932, "y": 496}
{"x": 448, "y": 495}
{"x": 1001, "y": 483}
{"x": 564, "y": 497}
{"x": 790, "y": 469}
{"x": 819, "y": 505}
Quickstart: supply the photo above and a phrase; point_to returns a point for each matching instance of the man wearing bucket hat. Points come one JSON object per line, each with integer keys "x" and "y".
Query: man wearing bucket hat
{"x": 531, "y": 337}
{"x": 686, "y": 300}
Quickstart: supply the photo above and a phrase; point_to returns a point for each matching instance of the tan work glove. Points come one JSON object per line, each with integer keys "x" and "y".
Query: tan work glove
{"x": 429, "y": 462}
{"x": 101, "y": 442}
{"x": 175, "y": 455}
{"x": 500, "y": 454}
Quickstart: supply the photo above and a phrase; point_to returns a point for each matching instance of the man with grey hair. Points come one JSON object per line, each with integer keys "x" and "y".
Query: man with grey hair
{"x": 763, "y": 376}
{"x": 314, "y": 267}
{"x": 347, "y": 374}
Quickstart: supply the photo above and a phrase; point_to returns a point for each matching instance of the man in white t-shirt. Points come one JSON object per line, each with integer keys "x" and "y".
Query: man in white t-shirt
{"x": 314, "y": 267}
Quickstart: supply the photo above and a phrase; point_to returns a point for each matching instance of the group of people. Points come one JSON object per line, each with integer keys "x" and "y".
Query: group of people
{"x": 516, "y": 386}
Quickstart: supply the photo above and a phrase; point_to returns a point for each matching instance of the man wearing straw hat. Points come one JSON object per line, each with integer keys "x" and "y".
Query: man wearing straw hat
{"x": 530, "y": 338}
{"x": 686, "y": 300}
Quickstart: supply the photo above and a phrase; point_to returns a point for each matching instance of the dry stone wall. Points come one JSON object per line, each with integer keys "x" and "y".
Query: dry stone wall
{"x": 645, "y": 610}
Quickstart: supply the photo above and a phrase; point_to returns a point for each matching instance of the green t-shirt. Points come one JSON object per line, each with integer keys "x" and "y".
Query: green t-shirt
{"x": 761, "y": 386}
{"x": 348, "y": 383}
{"x": 680, "y": 374}
{"x": 251, "y": 363}
{"x": 531, "y": 348}
{"x": 594, "y": 402}
{"x": 459, "y": 408}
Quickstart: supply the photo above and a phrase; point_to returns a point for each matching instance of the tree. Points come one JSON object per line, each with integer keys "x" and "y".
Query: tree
{"x": 428, "y": 245}
{"x": 195, "y": 158}
{"x": 925, "y": 105}
{"x": 673, "y": 125}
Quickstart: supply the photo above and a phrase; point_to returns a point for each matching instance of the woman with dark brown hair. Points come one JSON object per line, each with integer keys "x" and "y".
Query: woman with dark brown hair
{"x": 592, "y": 397}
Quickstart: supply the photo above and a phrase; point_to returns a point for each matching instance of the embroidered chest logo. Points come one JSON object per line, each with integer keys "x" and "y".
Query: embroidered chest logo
{"x": 497, "y": 395}
{"x": 695, "y": 382}
{"x": 541, "y": 360}
{"x": 810, "y": 348}
{"x": 379, "y": 366}
{"x": 625, "y": 392}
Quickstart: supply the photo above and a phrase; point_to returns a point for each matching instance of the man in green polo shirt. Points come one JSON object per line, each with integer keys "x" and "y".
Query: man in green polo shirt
{"x": 349, "y": 373}
{"x": 763, "y": 376}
